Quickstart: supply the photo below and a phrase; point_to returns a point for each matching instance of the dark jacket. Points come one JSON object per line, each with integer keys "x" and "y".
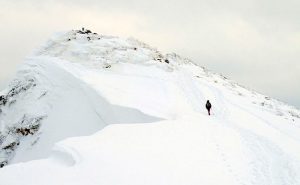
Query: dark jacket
{"x": 208, "y": 105}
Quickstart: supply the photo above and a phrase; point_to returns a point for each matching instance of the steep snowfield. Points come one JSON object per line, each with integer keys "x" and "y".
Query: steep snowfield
{"x": 93, "y": 109}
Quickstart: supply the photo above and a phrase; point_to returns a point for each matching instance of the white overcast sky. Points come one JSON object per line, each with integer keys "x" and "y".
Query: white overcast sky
{"x": 253, "y": 42}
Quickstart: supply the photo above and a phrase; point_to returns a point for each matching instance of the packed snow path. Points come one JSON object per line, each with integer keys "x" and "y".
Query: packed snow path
{"x": 155, "y": 126}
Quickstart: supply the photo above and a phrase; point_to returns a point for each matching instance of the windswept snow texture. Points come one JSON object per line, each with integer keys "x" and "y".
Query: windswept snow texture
{"x": 136, "y": 117}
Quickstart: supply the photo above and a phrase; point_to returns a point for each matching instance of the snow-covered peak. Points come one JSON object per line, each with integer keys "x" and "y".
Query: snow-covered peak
{"x": 84, "y": 46}
{"x": 143, "y": 117}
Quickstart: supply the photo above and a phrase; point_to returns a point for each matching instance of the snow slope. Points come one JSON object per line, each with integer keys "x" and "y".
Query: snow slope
{"x": 94, "y": 109}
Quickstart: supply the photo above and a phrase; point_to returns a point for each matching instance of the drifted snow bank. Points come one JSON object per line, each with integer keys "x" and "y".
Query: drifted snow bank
{"x": 193, "y": 150}
{"x": 85, "y": 81}
{"x": 56, "y": 107}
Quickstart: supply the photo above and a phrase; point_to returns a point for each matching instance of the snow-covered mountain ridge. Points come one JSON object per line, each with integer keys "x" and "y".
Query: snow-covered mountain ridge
{"x": 81, "y": 82}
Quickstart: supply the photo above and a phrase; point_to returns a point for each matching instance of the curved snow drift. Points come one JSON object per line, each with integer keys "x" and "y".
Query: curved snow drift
{"x": 70, "y": 107}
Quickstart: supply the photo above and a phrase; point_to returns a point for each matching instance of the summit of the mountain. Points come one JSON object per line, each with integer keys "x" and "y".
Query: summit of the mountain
{"x": 84, "y": 46}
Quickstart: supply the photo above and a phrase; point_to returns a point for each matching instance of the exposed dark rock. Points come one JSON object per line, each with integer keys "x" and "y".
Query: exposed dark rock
{"x": 84, "y": 31}
{"x": 3, "y": 100}
{"x": 26, "y": 126}
{"x": 107, "y": 66}
{"x": 292, "y": 113}
{"x": 21, "y": 86}
{"x": 159, "y": 57}
{"x": 31, "y": 129}
{"x": 12, "y": 146}
{"x": 3, "y": 163}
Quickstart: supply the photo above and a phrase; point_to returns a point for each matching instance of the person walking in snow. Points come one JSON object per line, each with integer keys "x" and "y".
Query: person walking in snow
{"x": 208, "y": 106}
